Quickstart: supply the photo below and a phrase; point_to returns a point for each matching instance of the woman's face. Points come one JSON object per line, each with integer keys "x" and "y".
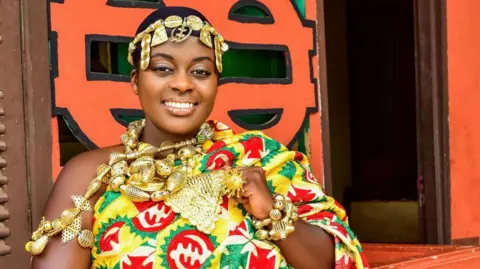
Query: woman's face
{"x": 178, "y": 90}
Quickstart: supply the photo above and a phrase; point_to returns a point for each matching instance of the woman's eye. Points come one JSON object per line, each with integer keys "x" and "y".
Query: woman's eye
{"x": 163, "y": 69}
{"x": 200, "y": 72}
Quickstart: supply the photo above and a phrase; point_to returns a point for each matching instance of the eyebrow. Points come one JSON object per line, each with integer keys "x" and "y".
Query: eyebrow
{"x": 170, "y": 57}
{"x": 163, "y": 55}
{"x": 203, "y": 58}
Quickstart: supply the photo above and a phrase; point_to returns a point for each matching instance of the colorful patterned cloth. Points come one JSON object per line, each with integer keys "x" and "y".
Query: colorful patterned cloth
{"x": 150, "y": 235}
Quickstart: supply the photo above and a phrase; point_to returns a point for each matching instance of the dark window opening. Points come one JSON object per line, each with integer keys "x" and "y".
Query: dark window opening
{"x": 109, "y": 58}
{"x": 255, "y": 63}
{"x": 69, "y": 144}
{"x": 250, "y": 11}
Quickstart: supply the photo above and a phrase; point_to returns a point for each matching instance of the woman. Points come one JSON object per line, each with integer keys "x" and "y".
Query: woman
{"x": 184, "y": 193}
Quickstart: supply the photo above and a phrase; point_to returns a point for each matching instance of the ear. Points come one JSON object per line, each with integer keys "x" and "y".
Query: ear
{"x": 134, "y": 80}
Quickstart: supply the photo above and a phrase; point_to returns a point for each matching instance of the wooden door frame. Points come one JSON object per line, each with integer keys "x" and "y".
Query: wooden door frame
{"x": 322, "y": 81}
{"x": 432, "y": 120}
{"x": 432, "y": 116}
{"x": 25, "y": 125}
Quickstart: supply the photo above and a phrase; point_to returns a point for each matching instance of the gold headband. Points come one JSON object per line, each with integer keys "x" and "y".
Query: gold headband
{"x": 181, "y": 30}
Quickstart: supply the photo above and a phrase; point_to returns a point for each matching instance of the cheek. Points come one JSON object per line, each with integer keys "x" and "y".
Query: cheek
{"x": 149, "y": 88}
{"x": 209, "y": 91}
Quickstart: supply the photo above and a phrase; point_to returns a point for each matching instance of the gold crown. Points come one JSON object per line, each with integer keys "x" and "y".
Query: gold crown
{"x": 181, "y": 29}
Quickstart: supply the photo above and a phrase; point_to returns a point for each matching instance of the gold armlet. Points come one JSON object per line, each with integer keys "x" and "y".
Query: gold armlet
{"x": 282, "y": 217}
{"x": 70, "y": 222}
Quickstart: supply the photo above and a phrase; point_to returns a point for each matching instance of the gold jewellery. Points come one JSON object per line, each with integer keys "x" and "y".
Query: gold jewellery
{"x": 181, "y": 29}
{"x": 281, "y": 220}
{"x": 139, "y": 175}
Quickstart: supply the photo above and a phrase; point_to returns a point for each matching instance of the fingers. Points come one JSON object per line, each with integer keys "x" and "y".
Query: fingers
{"x": 250, "y": 173}
{"x": 241, "y": 200}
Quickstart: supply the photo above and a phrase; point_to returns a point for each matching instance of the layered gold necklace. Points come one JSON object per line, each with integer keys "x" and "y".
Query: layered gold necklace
{"x": 145, "y": 172}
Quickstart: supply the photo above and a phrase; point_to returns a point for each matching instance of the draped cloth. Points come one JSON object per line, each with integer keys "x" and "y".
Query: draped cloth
{"x": 150, "y": 235}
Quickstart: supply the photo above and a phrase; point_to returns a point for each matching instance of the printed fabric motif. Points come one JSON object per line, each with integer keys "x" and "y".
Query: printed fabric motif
{"x": 149, "y": 235}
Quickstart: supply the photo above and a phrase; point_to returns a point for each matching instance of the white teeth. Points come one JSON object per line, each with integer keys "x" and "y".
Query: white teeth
{"x": 179, "y": 105}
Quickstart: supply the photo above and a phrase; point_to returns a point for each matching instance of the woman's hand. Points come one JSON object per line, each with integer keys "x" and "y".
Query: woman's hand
{"x": 256, "y": 197}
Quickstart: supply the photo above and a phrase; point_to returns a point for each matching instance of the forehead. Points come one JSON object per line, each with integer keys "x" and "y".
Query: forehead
{"x": 191, "y": 47}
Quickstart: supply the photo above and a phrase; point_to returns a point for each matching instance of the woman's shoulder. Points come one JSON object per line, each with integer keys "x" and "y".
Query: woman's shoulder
{"x": 86, "y": 163}
{"x": 77, "y": 174}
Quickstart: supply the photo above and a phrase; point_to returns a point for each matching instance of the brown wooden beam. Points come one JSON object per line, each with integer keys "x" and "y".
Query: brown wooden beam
{"x": 38, "y": 104}
{"x": 14, "y": 214}
{"x": 322, "y": 62}
{"x": 432, "y": 120}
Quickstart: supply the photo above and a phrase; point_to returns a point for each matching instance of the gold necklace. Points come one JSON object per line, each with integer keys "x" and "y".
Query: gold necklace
{"x": 138, "y": 175}
{"x": 146, "y": 178}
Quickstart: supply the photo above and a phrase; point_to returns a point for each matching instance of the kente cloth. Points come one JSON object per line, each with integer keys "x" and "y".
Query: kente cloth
{"x": 150, "y": 235}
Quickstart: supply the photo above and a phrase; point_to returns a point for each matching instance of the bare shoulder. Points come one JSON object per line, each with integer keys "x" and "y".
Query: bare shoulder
{"x": 73, "y": 180}
{"x": 76, "y": 175}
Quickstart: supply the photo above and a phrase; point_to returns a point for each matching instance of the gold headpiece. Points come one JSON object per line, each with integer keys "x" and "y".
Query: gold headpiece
{"x": 181, "y": 29}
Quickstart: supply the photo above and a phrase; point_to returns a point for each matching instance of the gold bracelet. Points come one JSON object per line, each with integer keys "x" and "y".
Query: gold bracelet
{"x": 282, "y": 217}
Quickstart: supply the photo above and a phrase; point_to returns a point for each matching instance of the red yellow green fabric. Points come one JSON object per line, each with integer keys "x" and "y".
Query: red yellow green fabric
{"x": 150, "y": 235}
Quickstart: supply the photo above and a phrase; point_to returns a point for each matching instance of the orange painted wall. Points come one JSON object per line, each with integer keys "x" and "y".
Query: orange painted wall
{"x": 463, "y": 22}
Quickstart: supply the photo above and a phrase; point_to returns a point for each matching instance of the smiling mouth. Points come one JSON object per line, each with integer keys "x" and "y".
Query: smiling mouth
{"x": 179, "y": 105}
{"x": 180, "y": 108}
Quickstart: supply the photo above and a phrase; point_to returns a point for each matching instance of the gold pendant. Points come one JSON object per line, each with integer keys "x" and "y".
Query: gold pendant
{"x": 81, "y": 203}
{"x": 198, "y": 201}
{"x": 71, "y": 231}
{"x": 205, "y": 36}
{"x": 160, "y": 36}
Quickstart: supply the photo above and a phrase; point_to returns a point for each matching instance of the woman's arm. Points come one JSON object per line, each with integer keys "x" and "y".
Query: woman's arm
{"x": 73, "y": 180}
{"x": 308, "y": 246}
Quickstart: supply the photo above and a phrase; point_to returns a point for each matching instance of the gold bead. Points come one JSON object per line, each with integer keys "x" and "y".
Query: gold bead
{"x": 261, "y": 234}
{"x": 134, "y": 193}
{"x": 102, "y": 170}
{"x": 279, "y": 197}
{"x": 56, "y": 224}
{"x": 149, "y": 150}
{"x": 167, "y": 148}
{"x": 163, "y": 168}
{"x": 117, "y": 182}
{"x": 37, "y": 246}
{"x": 257, "y": 224}
{"x": 86, "y": 239}
{"x": 275, "y": 214}
{"x": 186, "y": 152}
{"x": 280, "y": 205}
{"x": 266, "y": 222}
{"x": 294, "y": 216}
{"x": 133, "y": 155}
{"x": 140, "y": 164}
{"x": 274, "y": 235}
{"x": 120, "y": 168}
{"x": 38, "y": 233}
{"x": 28, "y": 246}
{"x": 176, "y": 181}
{"x": 125, "y": 137}
{"x": 47, "y": 226}
{"x": 93, "y": 187}
{"x": 159, "y": 196}
{"x": 116, "y": 157}
{"x": 68, "y": 216}
{"x": 131, "y": 143}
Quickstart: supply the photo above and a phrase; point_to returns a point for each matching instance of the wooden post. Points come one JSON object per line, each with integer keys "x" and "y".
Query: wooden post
{"x": 14, "y": 206}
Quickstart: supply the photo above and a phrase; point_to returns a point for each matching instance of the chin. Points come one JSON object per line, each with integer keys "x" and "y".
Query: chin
{"x": 183, "y": 127}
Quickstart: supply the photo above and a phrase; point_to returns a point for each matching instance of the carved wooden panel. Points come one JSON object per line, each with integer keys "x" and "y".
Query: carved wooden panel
{"x": 4, "y": 215}
{"x": 14, "y": 202}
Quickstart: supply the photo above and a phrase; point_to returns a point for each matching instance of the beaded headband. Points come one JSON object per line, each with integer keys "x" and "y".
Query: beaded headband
{"x": 180, "y": 29}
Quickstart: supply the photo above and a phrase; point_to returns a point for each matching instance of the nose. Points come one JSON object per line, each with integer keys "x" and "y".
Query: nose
{"x": 181, "y": 82}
